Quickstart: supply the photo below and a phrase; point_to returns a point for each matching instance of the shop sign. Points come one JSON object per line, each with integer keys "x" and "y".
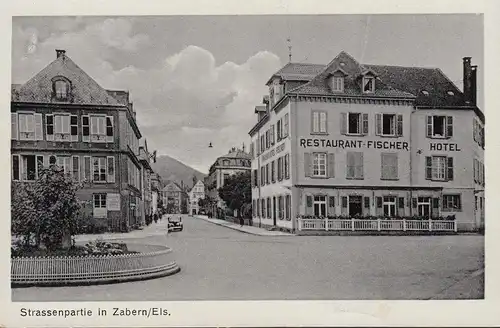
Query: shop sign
{"x": 355, "y": 144}
{"x": 444, "y": 146}
{"x": 278, "y": 149}
{"x": 113, "y": 201}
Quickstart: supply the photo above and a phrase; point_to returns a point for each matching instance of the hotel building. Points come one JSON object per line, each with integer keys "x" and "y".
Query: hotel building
{"x": 195, "y": 194}
{"x": 355, "y": 140}
{"x": 62, "y": 116}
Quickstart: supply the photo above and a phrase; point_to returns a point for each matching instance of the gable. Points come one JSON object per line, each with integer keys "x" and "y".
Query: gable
{"x": 84, "y": 90}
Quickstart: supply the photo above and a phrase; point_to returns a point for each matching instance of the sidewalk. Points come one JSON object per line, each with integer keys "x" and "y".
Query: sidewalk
{"x": 246, "y": 229}
{"x": 154, "y": 229}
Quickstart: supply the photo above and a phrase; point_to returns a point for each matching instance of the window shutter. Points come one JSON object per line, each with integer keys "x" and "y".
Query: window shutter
{"x": 399, "y": 130}
{"x": 15, "y": 167}
{"x": 378, "y": 124}
{"x": 379, "y": 202}
{"x": 280, "y": 161}
{"x": 428, "y": 167}
{"x": 331, "y": 165}
{"x": 449, "y": 126}
{"x": 309, "y": 205}
{"x": 85, "y": 128}
{"x": 366, "y": 202}
{"x": 449, "y": 169}
{"x": 111, "y": 169}
{"x": 428, "y": 132}
{"x": 287, "y": 164}
{"x": 307, "y": 164}
{"x": 360, "y": 165}
{"x": 287, "y": 125}
{"x": 14, "y": 126}
{"x": 365, "y": 124}
{"x": 401, "y": 201}
{"x": 435, "y": 202}
{"x": 38, "y": 127}
{"x": 324, "y": 115}
{"x": 110, "y": 129}
{"x": 331, "y": 205}
{"x": 414, "y": 202}
{"x": 343, "y": 123}
{"x": 87, "y": 174}
{"x": 312, "y": 121}
{"x": 272, "y": 134}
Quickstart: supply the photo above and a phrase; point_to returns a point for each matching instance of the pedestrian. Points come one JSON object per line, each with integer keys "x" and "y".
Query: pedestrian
{"x": 155, "y": 217}
{"x": 242, "y": 221}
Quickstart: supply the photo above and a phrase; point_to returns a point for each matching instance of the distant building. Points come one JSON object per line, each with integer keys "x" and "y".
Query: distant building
{"x": 195, "y": 194}
{"x": 62, "y": 116}
{"x": 145, "y": 159}
{"x": 235, "y": 161}
{"x": 174, "y": 197}
{"x": 362, "y": 141}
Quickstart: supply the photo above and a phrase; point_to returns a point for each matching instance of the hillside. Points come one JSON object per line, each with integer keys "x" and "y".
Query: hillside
{"x": 171, "y": 169}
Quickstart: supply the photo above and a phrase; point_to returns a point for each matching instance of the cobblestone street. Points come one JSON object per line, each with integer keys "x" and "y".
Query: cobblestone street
{"x": 219, "y": 263}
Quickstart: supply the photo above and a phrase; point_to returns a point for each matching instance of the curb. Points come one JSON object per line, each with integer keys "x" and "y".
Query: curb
{"x": 244, "y": 231}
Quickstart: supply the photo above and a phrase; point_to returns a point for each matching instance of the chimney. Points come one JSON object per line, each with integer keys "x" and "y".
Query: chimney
{"x": 467, "y": 80}
{"x": 60, "y": 53}
{"x": 474, "y": 85}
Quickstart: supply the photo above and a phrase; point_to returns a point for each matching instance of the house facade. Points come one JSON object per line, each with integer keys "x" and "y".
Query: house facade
{"x": 235, "y": 161}
{"x": 145, "y": 158}
{"x": 355, "y": 140}
{"x": 62, "y": 117}
{"x": 174, "y": 196}
{"x": 195, "y": 194}
{"x": 156, "y": 187}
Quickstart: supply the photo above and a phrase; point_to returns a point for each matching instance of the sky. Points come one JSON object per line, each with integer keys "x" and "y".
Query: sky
{"x": 197, "y": 79}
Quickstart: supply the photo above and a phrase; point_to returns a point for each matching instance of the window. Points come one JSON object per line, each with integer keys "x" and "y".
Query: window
{"x": 279, "y": 130}
{"x": 285, "y": 126}
{"x": 452, "y": 203}
{"x": 354, "y": 165}
{"x": 85, "y": 128}
{"x": 74, "y": 127}
{"x": 288, "y": 207}
{"x": 61, "y": 89}
{"x": 99, "y": 171}
{"x": 273, "y": 171}
{"x": 86, "y": 168}
{"x": 389, "y": 163}
{"x": 268, "y": 207}
{"x": 64, "y": 162}
{"x": 389, "y": 124}
{"x": 100, "y": 209}
{"x": 319, "y": 165}
{"x": 319, "y": 122}
{"x": 319, "y": 205}
{"x": 262, "y": 143}
{"x": 281, "y": 207}
{"x": 26, "y": 126}
{"x": 262, "y": 175}
{"x": 368, "y": 84}
{"x": 268, "y": 140}
{"x": 439, "y": 168}
{"x": 280, "y": 168}
{"x": 354, "y": 123}
{"x": 62, "y": 127}
{"x": 76, "y": 167}
{"x": 263, "y": 207}
{"x": 287, "y": 166}
{"x": 271, "y": 134}
{"x": 439, "y": 126}
{"x": 29, "y": 167}
{"x": 111, "y": 169}
{"x": 338, "y": 83}
{"x": 97, "y": 129}
{"x": 225, "y": 162}
{"x": 389, "y": 205}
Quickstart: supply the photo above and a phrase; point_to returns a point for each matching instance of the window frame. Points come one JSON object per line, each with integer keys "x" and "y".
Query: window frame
{"x": 316, "y": 162}
{"x": 367, "y": 79}
{"x": 317, "y": 201}
{"x": 446, "y": 202}
{"x": 319, "y": 122}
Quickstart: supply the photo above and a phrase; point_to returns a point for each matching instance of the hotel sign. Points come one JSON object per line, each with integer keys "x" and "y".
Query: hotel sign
{"x": 278, "y": 149}
{"x": 443, "y": 146}
{"x": 356, "y": 144}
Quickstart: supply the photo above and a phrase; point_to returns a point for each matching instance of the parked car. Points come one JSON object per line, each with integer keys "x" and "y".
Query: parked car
{"x": 175, "y": 223}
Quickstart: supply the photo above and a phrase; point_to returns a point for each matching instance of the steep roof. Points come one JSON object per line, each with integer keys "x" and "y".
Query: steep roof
{"x": 84, "y": 89}
{"x": 237, "y": 153}
{"x": 429, "y": 86}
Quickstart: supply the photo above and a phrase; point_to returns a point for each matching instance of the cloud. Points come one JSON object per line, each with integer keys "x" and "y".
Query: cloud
{"x": 182, "y": 104}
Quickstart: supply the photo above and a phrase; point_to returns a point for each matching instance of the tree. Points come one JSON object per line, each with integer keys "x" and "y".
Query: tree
{"x": 46, "y": 211}
{"x": 160, "y": 207}
{"x": 236, "y": 191}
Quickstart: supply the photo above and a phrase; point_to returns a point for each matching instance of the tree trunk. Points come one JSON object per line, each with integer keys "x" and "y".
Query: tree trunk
{"x": 66, "y": 239}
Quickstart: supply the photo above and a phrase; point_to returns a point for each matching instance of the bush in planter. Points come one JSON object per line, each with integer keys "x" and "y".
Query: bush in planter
{"x": 100, "y": 247}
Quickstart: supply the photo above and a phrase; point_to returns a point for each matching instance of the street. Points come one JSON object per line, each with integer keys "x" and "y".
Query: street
{"x": 218, "y": 263}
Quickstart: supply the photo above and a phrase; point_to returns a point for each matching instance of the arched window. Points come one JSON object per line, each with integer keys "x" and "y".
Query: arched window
{"x": 61, "y": 88}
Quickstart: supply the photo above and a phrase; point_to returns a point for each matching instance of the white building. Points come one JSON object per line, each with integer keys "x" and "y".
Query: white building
{"x": 195, "y": 194}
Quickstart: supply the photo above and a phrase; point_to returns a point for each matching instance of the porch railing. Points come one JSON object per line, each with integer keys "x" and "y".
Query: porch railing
{"x": 376, "y": 225}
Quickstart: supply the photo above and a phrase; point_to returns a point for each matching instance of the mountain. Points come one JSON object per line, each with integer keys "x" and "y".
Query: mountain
{"x": 171, "y": 169}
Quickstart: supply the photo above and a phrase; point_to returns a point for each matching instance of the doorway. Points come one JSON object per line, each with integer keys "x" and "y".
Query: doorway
{"x": 355, "y": 206}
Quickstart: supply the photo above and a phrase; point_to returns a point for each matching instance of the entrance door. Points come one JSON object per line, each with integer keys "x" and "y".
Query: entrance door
{"x": 355, "y": 206}
{"x": 274, "y": 211}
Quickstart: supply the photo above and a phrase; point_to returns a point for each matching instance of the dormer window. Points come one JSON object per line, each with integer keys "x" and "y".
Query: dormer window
{"x": 338, "y": 84}
{"x": 61, "y": 88}
{"x": 368, "y": 84}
